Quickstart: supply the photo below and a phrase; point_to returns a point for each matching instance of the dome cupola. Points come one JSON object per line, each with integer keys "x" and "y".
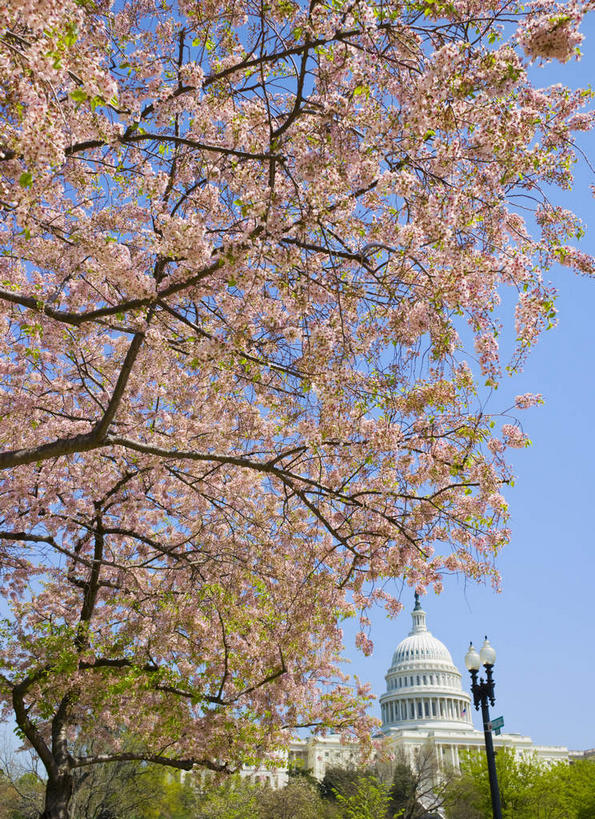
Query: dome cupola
{"x": 423, "y": 685}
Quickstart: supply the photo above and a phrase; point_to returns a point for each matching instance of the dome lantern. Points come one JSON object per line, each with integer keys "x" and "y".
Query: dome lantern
{"x": 419, "y": 617}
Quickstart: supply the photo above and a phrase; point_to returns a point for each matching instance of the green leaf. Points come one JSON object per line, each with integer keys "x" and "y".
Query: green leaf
{"x": 78, "y": 95}
{"x": 26, "y": 179}
{"x": 71, "y": 35}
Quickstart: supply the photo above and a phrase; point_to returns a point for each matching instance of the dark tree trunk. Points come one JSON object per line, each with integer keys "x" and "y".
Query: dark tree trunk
{"x": 58, "y": 793}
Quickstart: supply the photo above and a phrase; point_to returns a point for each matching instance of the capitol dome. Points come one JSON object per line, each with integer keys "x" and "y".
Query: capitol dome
{"x": 423, "y": 685}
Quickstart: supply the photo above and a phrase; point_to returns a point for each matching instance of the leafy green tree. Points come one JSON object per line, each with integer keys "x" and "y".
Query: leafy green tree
{"x": 340, "y": 779}
{"x": 370, "y": 799}
{"x": 418, "y": 785}
{"x": 172, "y": 797}
{"x": 235, "y": 798}
{"x": 9, "y": 799}
{"x": 403, "y": 801}
{"x": 529, "y": 788}
{"x": 566, "y": 791}
{"x": 517, "y": 780}
{"x": 298, "y": 772}
{"x": 126, "y": 790}
{"x": 297, "y": 800}
{"x": 21, "y": 790}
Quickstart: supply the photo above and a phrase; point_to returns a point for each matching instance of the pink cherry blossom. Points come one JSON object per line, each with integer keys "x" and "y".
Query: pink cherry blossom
{"x": 527, "y": 400}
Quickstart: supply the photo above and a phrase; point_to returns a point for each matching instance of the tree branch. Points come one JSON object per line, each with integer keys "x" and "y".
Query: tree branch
{"x": 182, "y": 764}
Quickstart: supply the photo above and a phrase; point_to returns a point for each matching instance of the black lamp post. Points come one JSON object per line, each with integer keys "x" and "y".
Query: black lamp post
{"x": 482, "y": 692}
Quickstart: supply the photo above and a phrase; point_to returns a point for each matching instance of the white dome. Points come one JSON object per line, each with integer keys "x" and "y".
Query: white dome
{"x": 423, "y": 685}
{"x": 421, "y": 646}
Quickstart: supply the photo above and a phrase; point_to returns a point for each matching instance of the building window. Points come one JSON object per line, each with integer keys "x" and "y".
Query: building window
{"x": 426, "y": 708}
{"x": 411, "y": 710}
{"x": 433, "y": 708}
{"x": 425, "y": 682}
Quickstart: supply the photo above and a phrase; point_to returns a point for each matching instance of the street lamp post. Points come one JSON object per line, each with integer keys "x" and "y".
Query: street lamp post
{"x": 482, "y": 692}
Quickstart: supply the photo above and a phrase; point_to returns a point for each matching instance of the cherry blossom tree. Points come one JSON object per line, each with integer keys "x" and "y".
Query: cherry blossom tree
{"x": 245, "y": 250}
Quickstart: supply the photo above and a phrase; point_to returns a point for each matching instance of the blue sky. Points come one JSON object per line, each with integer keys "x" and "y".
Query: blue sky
{"x": 542, "y": 623}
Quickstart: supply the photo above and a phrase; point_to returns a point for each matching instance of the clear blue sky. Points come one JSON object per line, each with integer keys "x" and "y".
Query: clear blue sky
{"x": 542, "y": 623}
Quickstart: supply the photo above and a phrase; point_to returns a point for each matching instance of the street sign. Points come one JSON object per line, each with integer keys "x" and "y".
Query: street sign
{"x": 497, "y": 725}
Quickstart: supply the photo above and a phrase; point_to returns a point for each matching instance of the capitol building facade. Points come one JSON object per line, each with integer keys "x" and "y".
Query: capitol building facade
{"x": 424, "y": 706}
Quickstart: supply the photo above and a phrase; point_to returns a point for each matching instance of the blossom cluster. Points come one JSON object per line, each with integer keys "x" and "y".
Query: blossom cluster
{"x": 552, "y": 36}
